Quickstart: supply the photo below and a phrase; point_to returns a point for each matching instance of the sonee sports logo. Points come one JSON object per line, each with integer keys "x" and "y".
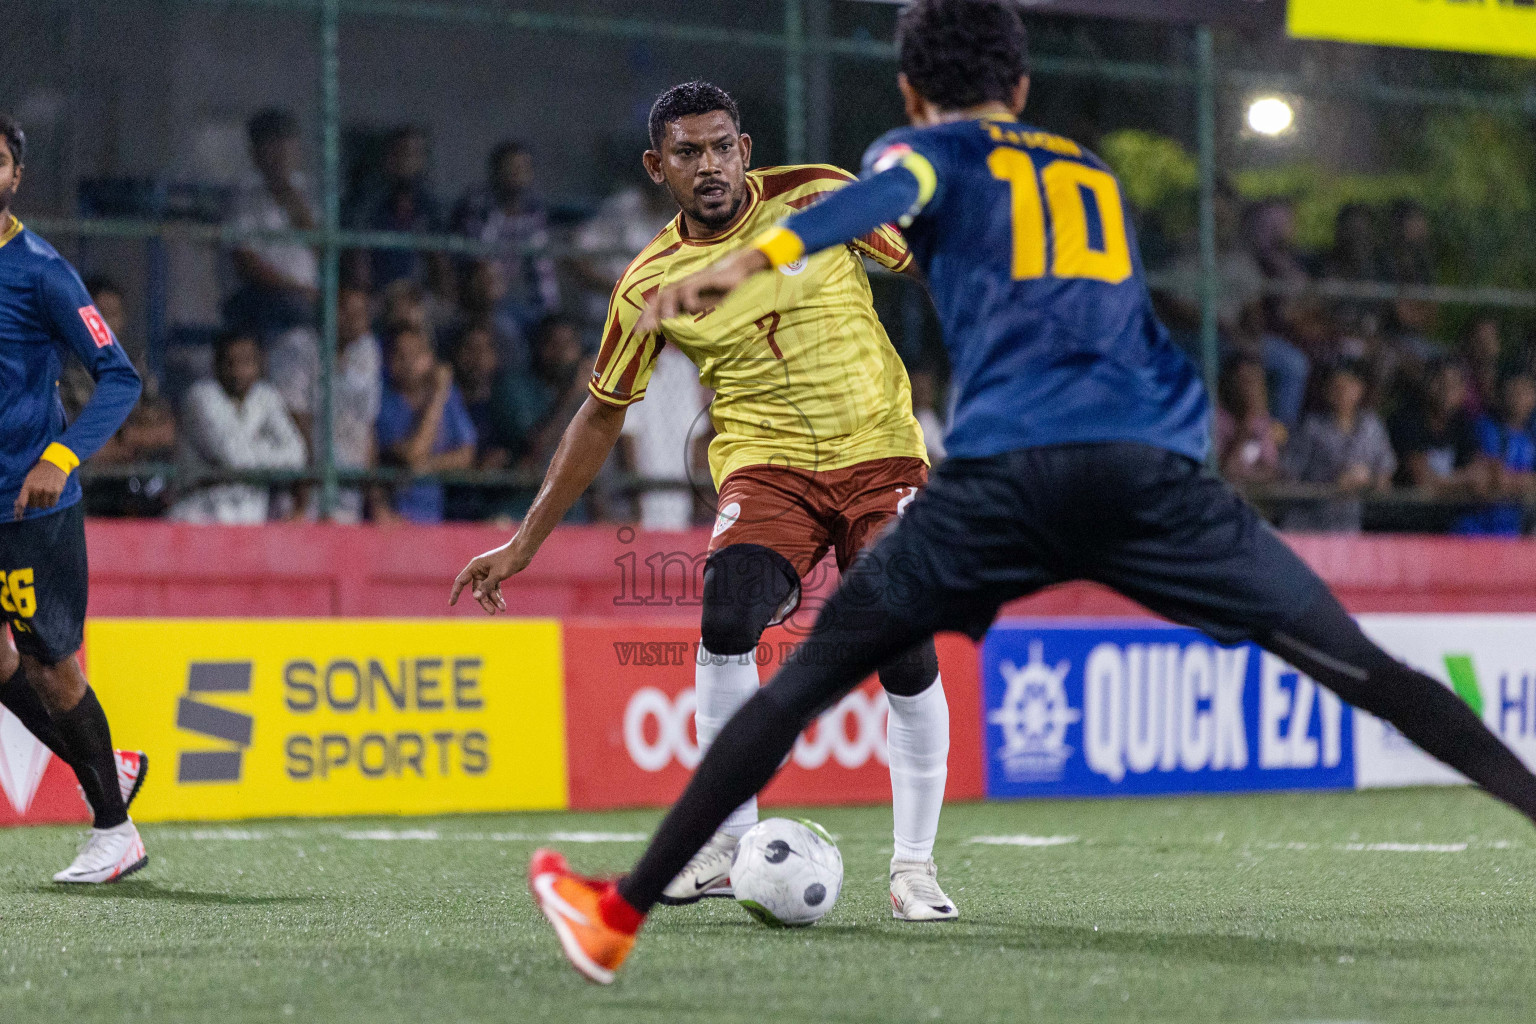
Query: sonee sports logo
{"x": 213, "y": 721}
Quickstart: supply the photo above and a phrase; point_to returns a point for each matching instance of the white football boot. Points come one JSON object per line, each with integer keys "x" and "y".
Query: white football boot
{"x": 915, "y": 892}
{"x": 109, "y": 855}
{"x": 707, "y": 874}
{"x": 132, "y": 766}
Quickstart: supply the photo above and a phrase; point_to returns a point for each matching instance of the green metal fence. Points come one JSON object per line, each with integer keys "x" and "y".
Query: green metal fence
{"x": 795, "y": 40}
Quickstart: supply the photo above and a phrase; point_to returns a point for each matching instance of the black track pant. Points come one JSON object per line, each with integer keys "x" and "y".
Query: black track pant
{"x": 1140, "y": 520}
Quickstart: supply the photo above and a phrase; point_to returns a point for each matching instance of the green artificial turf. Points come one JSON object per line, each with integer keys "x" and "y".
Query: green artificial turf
{"x": 1273, "y": 908}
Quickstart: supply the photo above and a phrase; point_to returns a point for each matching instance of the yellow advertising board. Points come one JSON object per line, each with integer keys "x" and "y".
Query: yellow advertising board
{"x": 1505, "y": 27}
{"x": 250, "y": 718}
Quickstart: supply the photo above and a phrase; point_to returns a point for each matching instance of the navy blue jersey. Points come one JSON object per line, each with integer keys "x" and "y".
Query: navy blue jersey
{"x": 1033, "y": 266}
{"x": 44, "y": 311}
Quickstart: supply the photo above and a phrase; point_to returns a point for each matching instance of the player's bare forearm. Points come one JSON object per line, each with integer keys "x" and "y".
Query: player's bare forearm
{"x": 703, "y": 290}
{"x": 583, "y": 449}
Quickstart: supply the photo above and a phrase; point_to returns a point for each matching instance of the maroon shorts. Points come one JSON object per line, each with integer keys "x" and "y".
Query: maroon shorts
{"x": 801, "y": 514}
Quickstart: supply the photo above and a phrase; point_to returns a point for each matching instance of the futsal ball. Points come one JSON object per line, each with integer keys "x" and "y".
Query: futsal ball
{"x": 787, "y": 874}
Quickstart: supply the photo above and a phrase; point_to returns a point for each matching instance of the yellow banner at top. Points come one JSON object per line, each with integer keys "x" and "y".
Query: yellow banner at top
{"x": 1506, "y": 27}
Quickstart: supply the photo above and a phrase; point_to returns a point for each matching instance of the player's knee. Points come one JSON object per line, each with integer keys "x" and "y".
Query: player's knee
{"x": 729, "y": 630}
{"x": 59, "y": 686}
{"x": 912, "y": 673}
{"x": 745, "y": 585}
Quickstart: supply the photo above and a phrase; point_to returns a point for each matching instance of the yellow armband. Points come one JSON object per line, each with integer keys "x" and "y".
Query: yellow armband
{"x": 781, "y": 245}
{"x": 62, "y": 457}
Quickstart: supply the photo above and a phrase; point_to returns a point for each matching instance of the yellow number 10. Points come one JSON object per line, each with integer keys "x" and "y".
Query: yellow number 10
{"x": 1066, "y": 188}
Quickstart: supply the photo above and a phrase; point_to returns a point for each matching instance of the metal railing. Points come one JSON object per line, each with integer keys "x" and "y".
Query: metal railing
{"x": 795, "y": 39}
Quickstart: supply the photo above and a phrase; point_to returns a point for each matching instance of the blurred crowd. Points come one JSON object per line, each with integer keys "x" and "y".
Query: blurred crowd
{"x": 1324, "y": 403}
{"x": 443, "y": 365}
{"x": 450, "y": 364}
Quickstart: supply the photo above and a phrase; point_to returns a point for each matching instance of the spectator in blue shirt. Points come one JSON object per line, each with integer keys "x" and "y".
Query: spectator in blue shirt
{"x": 1506, "y": 454}
{"x": 1286, "y": 367}
{"x": 507, "y": 212}
{"x": 398, "y": 198}
{"x": 423, "y": 427}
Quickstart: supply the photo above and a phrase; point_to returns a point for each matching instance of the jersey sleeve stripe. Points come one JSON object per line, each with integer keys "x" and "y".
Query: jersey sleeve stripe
{"x": 623, "y": 352}
{"x": 777, "y": 182}
{"x": 610, "y": 345}
{"x": 610, "y": 399}
{"x": 645, "y": 353}
{"x": 878, "y": 241}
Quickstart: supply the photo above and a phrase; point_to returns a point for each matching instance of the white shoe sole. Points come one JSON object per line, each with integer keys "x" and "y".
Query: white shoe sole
{"x": 63, "y": 879}
{"x": 721, "y": 891}
{"x": 543, "y": 892}
{"x": 922, "y": 913}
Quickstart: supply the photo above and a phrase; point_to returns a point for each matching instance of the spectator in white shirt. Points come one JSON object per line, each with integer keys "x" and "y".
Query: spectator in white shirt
{"x": 624, "y": 224}
{"x": 279, "y": 281}
{"x": 660, "y": 440}
{"x": 233, "y": 422}
{"x": 357, "y": 387}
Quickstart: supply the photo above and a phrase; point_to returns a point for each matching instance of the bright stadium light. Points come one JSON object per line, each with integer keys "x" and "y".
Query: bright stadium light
{"x": 1271, "y": 116}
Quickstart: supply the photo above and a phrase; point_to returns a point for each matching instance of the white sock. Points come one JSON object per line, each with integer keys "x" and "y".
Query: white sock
{"x": 722, "y": 684}
{"x": 917, "y": 735}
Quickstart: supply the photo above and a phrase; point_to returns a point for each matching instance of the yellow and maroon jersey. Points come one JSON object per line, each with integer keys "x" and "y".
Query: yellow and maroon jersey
{"x": 803, "y": 372}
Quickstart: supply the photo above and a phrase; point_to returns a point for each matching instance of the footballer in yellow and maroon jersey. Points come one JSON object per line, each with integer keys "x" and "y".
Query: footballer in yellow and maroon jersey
{"x": 803, "y": 373}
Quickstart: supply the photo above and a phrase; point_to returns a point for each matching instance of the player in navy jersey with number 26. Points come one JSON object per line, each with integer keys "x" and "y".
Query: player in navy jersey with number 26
{"x": 1076, "y": 452}
{"x": 46, "y": 316}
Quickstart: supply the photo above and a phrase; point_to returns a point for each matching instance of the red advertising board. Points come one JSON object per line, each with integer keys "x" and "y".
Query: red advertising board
{"x": 36, "y": 788}
{"x": 630, "y": 735}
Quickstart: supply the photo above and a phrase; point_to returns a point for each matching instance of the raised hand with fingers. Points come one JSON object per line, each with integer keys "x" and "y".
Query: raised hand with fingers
{"x": 484, "y": 574}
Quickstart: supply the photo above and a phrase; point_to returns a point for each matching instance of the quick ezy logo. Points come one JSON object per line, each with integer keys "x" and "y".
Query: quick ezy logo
{"x": 1099, "y": 710}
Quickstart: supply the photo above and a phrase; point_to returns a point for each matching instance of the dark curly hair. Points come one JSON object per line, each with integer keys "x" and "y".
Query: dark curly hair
{"x": 962, "y": 53}
{"x": 270, "y": 125}
{"x": 15, "y": 139}
{"x": 688, "y": 99}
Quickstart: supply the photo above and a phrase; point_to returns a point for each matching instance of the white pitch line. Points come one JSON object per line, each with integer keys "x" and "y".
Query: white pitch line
{"x": 1405, "y": 847}
{"x": 1022, "y": 840}
{"x": 598, "y": 837}
{"x": 385, "y": 835}
{"x": 432, "y": 835}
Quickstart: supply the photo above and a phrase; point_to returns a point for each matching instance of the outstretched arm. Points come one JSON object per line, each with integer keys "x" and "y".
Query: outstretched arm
{"x": 584, "y": 447}
{"x": 894, "y": 195}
